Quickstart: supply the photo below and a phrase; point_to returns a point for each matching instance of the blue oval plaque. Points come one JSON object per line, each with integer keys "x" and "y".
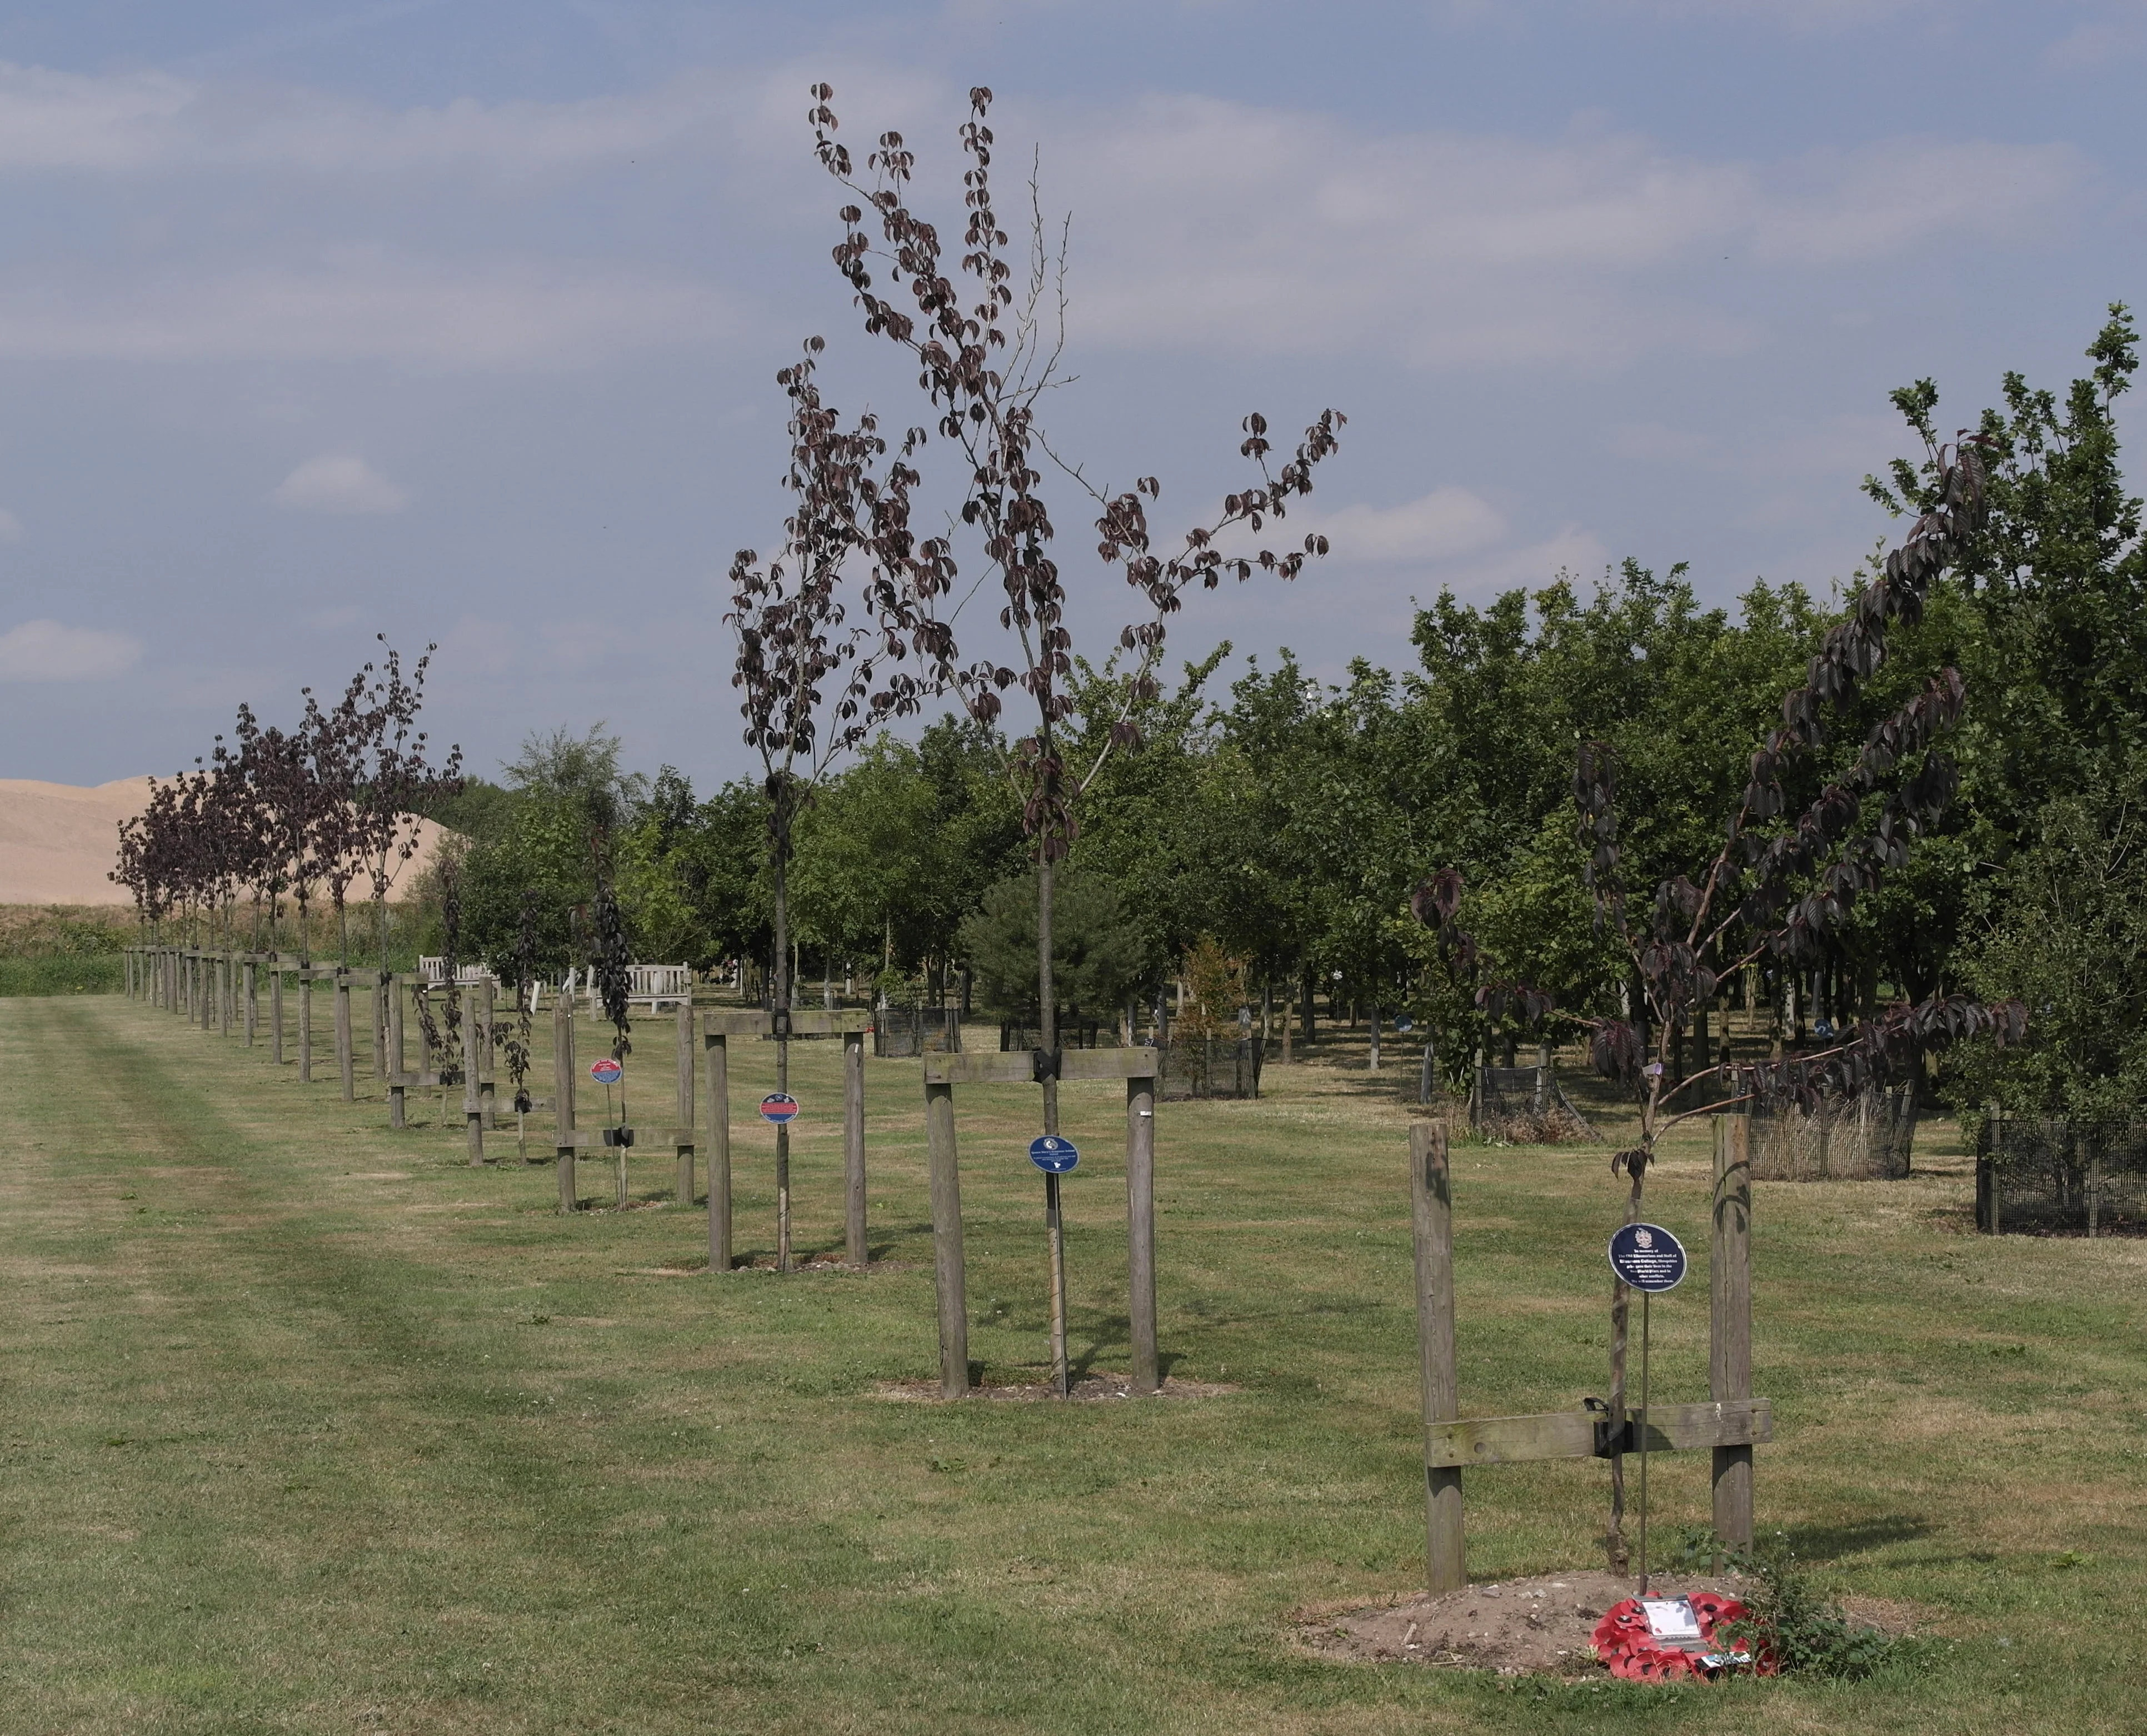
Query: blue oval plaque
{"x": 1053, "y": 1155}
{"x": 1648, "y": 1257}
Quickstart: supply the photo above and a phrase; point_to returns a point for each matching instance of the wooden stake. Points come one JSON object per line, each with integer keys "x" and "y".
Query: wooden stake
{"x": 252, "y": 975}
{"x": 472, "y": 1104}
{"x": 1729, "y": 1318}
{"x": 1140, "y": 1232}
{"x": 1431, "y": 1219}
{"x": 682, "y": 1186}
{"x": 563, "y": 1097}
{"x": 719, "y": 1153}
{"x": 305, "y": 1026}
{"x": 392, "y": 987}
{"x": 949, "y": 1279}
{"x": 487, "y": 1097}
{"x": 345, "y": 1046}
{"x": 276, "y": 1009}
{"x": 855, "y": 1248}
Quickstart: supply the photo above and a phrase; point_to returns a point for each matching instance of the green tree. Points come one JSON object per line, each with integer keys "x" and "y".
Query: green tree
{"x": 2046, "y": 621}
{"x": 2069, "y": 940}
{"x": 1096, "y": 958}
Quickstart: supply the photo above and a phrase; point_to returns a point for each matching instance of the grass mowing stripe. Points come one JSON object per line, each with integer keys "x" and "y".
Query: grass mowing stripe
{"x": 361, "y": 1486}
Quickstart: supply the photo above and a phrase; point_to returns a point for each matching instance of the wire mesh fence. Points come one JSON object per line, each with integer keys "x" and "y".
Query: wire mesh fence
{"x": 1525, "y": 1106}
{"x": 1074, "y": 1034}
{"x": 2036, "y": 1177}
{"x": 900, "y": 1032}
{"x": 1210, "y": 1067}
{"x": 1869, "y": 1137}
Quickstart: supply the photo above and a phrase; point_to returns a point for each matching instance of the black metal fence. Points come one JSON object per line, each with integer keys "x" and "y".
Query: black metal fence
{"x": 2060, "y": 1178}
{"x": 899, "y": 1032}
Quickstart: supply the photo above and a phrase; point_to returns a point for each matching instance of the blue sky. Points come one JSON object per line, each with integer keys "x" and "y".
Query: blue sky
{"x": 459, "y": 320}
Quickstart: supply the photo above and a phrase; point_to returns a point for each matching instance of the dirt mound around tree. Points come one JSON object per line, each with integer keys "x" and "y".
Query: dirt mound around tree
{"x": 1544, "y": 1626}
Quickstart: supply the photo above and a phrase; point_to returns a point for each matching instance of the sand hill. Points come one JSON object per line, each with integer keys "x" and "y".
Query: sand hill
{"x": 59, "y": 842}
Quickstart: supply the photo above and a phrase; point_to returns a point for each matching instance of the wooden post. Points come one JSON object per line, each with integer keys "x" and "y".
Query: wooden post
{"x": 563, "y": 1097}
{"x": 949, "y": 1279}
{"x": 1431, "y": 1219}
{"x": 1140, "y": 1233}
{"x": 392, "y": 987}
{"x": 305, "y": 1026}
{"x": 275, "y": 1009}
{"x": 1729, "y": 1323}
{"x": 252, "y": 975}
{"x": 487, "y": 1103}
{"x": 382, "y": 987}
{"x": 473, "y": 1103}
{"x": 682, "y": 1187}
{"x": 223, "y": 994}
{"x": 345, "y": 1038}
{"x": 855, "y": 1246}
{"x": 719, "y": 1153}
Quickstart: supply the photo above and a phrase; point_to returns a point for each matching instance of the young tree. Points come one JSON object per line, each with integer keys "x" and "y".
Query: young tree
{"x": 984, "y": 358}
{"x": 804, "y": 667}
{"x": 1779, "y": 886}
{"x": 395, "y": 783}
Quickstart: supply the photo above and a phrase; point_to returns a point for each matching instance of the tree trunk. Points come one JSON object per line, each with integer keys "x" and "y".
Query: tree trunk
{"x": 782, "y": 983}
{"x": 1046, "y": 988}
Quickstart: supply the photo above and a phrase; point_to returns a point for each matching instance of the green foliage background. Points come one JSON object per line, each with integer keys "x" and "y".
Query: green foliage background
{"x": 1289, "y": 819}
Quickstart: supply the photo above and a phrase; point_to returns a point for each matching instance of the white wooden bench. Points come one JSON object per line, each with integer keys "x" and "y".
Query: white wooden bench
{"x": 653, "y": 985}
{"x": 434, "y": 971}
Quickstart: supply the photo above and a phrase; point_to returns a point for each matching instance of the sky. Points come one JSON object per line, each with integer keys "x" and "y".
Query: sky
{"x": 458, "y": 320}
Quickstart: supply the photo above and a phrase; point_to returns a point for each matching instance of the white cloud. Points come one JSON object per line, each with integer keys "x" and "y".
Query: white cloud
{"x": 359, "y": 303}
{"x": 11, "y": 527}
{"x": 1438, "y": 526}
{"x": 2117, "y": 34}
{"x": 1243, "y": 226}
{"x": 339, "y": 482}
{"x": 151, "y": 122}
{"x": 1576, "y": 553}
{"x": 46, "y": 651}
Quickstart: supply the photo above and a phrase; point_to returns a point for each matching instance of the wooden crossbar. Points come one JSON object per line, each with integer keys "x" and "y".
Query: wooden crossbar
{"x": 1591, "y": 1434}
{"x": 1015, "y": 1067}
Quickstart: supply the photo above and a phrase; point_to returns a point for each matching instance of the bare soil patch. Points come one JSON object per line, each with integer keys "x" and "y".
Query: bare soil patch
{"x": 1543, "y": 1626}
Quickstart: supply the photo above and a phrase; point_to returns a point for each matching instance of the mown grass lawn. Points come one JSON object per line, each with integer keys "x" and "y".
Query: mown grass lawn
{"x": 309, "y": 1427}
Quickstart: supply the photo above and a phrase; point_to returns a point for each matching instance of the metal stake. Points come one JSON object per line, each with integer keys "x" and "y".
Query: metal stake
{"x": 1645, "y": 1297}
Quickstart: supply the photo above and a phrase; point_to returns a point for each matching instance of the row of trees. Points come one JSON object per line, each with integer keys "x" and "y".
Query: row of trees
{"x": 301, "y": 814}
{"x": 1404, "y": 839}
{"x": 1291, "y": 820}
